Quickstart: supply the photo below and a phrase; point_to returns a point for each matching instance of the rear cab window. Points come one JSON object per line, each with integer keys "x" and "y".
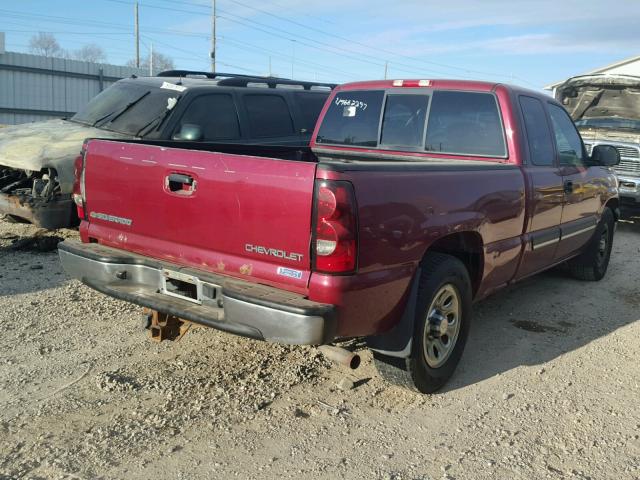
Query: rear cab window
{"x": 465, "y": 123}
{"x": 403, "y": 120}
{"x": 353, "y": 119}
{"x": 440, "y": 121}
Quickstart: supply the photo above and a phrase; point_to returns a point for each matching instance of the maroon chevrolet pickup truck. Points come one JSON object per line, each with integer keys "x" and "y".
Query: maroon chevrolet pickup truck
{"x": 415, "y": 199}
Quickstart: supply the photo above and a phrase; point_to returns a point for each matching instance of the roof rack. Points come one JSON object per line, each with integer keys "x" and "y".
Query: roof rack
{"x": 243, "y": 80}
{"x": 195, "y": 73}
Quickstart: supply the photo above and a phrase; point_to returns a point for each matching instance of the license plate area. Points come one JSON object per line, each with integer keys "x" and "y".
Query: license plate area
{"x": 181, "y": 285}
{"x": 189, "y": 287}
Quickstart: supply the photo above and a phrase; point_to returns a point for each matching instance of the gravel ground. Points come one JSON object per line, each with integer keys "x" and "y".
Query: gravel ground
{"x": 549, "y": 387}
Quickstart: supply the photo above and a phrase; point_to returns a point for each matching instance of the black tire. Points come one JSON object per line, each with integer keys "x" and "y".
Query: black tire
{"x": 592, "y": 264}
{"x": 439, "y": 273}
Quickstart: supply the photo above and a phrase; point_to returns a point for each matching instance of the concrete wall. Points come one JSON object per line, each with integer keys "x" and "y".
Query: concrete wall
{"x": 35, "y": 88}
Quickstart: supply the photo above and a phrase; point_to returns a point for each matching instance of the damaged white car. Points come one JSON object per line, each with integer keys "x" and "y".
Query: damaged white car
{"x": 606, "y": 110}
{"x": 37, "y": 160}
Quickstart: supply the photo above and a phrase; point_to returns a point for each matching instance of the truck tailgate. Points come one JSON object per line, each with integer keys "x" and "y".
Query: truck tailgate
{"x": 239, "y": 215}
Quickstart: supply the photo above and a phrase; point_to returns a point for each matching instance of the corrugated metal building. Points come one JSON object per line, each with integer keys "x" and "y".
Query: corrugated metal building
{"x": 35, "y": 88}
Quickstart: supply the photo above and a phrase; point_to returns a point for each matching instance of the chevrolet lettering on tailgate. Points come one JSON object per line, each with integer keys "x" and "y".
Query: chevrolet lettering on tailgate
{"x": 273, "y": 252}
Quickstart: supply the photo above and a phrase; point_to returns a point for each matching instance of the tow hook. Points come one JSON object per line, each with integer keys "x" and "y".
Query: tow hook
{"x": 162, "y": 326}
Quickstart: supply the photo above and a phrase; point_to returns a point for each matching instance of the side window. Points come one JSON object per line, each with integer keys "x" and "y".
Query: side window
{"x": 537, "y": 128}
{"x": 269, "y": 116}
{"x": 567, "y": 137}
{"x": 352, "y": 119}
{"x": 465, "y": 123}
{"x": 310, "y": 105}
{"x": 216, "y": 116}
{"x": 403, "y": 121}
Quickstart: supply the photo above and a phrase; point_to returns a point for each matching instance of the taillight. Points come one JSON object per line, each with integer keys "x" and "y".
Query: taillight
{"x": 78, "y": 194}
{"x": 335, "y": 239}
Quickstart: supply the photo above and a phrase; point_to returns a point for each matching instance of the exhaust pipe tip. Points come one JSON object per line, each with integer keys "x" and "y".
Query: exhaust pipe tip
{"x": 341, "y": 356}
{"x": 355, "y": 361}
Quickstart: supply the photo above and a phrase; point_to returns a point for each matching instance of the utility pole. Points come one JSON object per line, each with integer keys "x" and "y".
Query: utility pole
{"x": 270, "y": 66}
{"x": 386, "y": 69}
{"x": 213, "y": 36}
{"x": 151, "y": 60}
{"x": 137, "y": 29}
{"x": 293, "y": 56}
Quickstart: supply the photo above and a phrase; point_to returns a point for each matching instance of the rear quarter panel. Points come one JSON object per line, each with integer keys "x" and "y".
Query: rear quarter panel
{"x": 405, "y": 207}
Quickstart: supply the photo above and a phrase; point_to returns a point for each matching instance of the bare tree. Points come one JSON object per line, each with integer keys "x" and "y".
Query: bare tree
{"x": 160, "y": 62}
{"x": 45, "y": 44}
{"x": 90, "y": 53}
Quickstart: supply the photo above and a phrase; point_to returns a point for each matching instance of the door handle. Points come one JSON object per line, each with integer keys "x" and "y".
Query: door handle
{"x": 568, "y": 186}
{"x": 180, "y": 178}
{"x": 180, "y": 183}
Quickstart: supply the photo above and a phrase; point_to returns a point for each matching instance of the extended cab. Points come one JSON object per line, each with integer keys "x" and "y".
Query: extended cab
{"x": 36, "y": 160}
{"x": 414, "y": 199}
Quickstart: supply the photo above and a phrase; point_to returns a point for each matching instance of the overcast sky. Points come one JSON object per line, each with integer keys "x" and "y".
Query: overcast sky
{"x": 531, "y": 43}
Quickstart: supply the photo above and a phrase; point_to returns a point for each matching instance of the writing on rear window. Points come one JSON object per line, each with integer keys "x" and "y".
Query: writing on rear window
{"x": 451, "y": 122}
{"x": 350, "y": 102}
{"x": 352, "y": 119}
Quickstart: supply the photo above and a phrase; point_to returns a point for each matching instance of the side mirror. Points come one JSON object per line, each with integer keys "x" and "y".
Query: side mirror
{"x": 605, "y": 155}
{"x": 189, "y": 132}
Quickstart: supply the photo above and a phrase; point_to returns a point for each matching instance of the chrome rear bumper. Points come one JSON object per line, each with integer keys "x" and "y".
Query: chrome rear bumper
{"x": 235, "y": 306}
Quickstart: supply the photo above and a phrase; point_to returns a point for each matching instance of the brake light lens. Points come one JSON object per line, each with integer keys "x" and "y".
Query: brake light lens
{"x": 78, "y": 194}
{"x": 335, "y": 227}
{"x": 411, "y": 83}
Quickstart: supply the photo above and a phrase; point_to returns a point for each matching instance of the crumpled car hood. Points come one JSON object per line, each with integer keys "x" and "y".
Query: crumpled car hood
{"x": 49, "y": 144}
{"x": 602, "y": 95}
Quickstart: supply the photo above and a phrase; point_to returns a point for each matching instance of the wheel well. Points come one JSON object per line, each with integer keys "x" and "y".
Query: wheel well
{"x": 614, "y": 205}
{"x": 467, "y": 247}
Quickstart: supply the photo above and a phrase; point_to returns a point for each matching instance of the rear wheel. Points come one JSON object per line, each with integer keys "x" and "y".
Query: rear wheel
{"x": 443, "y": 315}
{"x": 592, "y": 264}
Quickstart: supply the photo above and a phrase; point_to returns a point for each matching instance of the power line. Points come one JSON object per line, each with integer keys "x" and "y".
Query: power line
{"x": 251, "y": 47}
{"x": 268, "y": 29}
{"x": 85, "y": 23}
{"x": 63, "y": 32}
{"x": 331, "y": 49}
{"x": 377, "y": 49}
{"x": 302, "y": 40}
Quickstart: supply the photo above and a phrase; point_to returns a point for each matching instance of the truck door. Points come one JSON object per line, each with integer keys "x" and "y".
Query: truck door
{"x": 544, "y": 186}
{"x": 581, "y": 185}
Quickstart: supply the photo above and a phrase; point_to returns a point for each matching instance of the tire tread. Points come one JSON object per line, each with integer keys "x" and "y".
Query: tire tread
{"x": 400, "y": 371}
{"x": 583, "y": 267}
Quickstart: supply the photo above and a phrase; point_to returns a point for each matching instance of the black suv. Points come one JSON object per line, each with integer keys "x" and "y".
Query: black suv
{"x": 36, "y": 160}
{"x": 205, "y": 107}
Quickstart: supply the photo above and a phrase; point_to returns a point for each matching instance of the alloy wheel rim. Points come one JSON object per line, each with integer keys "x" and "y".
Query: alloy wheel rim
{"x": 442, "y": 326}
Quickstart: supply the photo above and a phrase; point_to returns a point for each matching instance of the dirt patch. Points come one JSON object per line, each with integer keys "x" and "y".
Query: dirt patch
{"x": 547, "y": 388}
